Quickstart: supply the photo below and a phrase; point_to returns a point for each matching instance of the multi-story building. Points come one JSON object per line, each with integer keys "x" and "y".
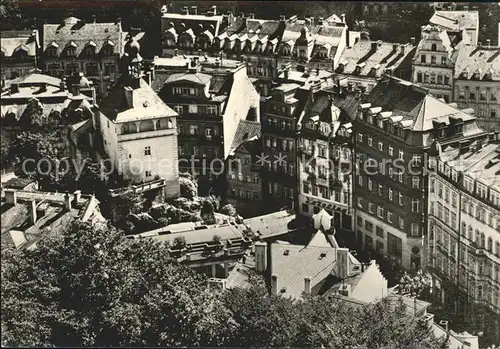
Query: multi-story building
{"x": 466, "y": 22}
{"x": 55, "y": 99}
{"x": 434, "y": 61}
{"x": 455, "y": 6}
{"x": 77, "y": 46}
{"x": 244, "y": 186}
{"x": 19, "y": 53}
{"x": 189, "y": 32}
{"x": 29, "y": 215}
{"x": 395, "y": 128}
{"x": 211, "y": 98}
{"x": 463, "y": 244}
{"x": 477, "y": 83}
{"x": 138, "y": 130}
{"x": 366, "y": 61}
{"x": 324, "y": 143}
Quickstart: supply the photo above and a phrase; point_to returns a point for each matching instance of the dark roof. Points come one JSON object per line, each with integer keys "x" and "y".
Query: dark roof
{"x": 13, "y": 40}
{"x": 247, "y": 130}
{"x": 18, "y": 183}
{"x": 196, "y": 78}
{"x": 82, "y": 34}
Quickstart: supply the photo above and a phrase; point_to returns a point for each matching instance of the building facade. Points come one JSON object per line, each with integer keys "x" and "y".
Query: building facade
{"x": 323, "y": 159}
{"x": 19, "y": 53}
{"x": 396, "y": 126}
{"x": 463, "y": 244}
{"x": 363, "y": 64}
{"x": 211, "y": 98}
{"x": 477, "y": 83}
{"x": 139, "y": 131}
{"x": 434, "y": 61}
{"x": 92, "y": 48}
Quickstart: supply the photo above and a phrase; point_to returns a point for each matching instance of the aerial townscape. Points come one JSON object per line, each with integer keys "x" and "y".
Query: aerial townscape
{"x": 250, "y": 174}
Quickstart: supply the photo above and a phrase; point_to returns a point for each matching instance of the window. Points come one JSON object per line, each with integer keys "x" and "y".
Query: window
{"x": 370, "y": 187}
{"x": 415, "y": 229}
{"x": 179, "y": 109}
{"x": 419, "y": 77}
{"x": 379, "y": 231}
{"x": 148, "y": 173}
{"x": 305, "y": 208}
{"x": 370, "y": 207}
{"x": 401, "y": 154}
{"x": 193, "y": 130}
{"x": 360, "y": 180}
{"x": 391, "y": 151}
{"x": 401, "y": 222}
{"x": 380, "y": 212}
{"x": 415, "y": 205}
{"x": 443, "y": 60}
{"x": 193, "y": 109}
{"x": 370, "y": 141}
{"x": 472, "y": 94}
{"x": 380, "y": 146}
{"x": 389, "y": 216}
{"x": 433, "y": 59}
{"x": 390, "y": 194}
{"x": 415, "y": 182}
{"x": 422, "y": 59}
{"x": 368, "y": 226}
{"x": 400, "y": 199}
{"x": 147, "y": 150}
{"x": 380, "y": 189}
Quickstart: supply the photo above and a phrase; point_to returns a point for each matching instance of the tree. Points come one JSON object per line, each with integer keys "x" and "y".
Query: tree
{"x": 5, "y": 152}
{"x": 188, "y": 188}
{"x": 91, "y": 287}
{"x": 229, "y": 210}
{"x": 207, "y": 212}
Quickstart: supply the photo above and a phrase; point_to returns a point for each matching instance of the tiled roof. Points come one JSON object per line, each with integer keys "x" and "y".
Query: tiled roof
{"x": 145, "y": 104}
{"x": 239, "y": 275}
{"x": 36, "y": 78}
{"x": 203, "y": 236}
{"x": 272, "y": 224}
{"x": 196, "y": 78}
{"x": 82, "y": 34}
{"x": 245, "y": 133}
{"x": 483, "y": 60}
{"x": 13, "y": 40}
{"x": 387, "y": 55}
{"x": 293, "y": 263}
{"x": 456, "y": 19}
{"x": 18, "y": 183}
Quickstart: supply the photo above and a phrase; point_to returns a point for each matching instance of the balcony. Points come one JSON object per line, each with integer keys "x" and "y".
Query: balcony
{"x": 139, "y": 188}
{"x": 145, "y": 134}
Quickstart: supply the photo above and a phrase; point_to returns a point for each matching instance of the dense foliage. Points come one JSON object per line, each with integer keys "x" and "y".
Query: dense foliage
{"x": 91, "y": 287}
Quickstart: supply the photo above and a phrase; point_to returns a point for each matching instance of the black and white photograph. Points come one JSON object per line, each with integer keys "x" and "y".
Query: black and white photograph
{"x": 290, "y": 174}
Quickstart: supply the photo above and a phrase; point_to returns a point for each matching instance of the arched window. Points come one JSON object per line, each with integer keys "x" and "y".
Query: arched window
{"x": 129, "y": 128}
{"x": 433, "y": 47}
{"x": 478, "y": 237}
{"x": 490, "y": 244}
{"x": 146, "y": 125}
{"x": 471, "y": 233}
{"x": 483, "y": 240}
{"x": 464, "y": 229}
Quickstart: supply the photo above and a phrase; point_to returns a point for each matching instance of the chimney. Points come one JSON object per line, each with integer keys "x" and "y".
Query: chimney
{"x": 394, "y": 47}
{"x": 119, "y": 20}
{"x": 444, "y": 323}
{"x": 274, "y": 285}
{"x": 480, "y": 44}
{"x": 11, "y": 196}
{"x": 282, "y": 18}
{"x": 176, "y": 52}
{"x": 260, "y": 256}
{"x": 77, "y": 195}
{"x": 307, "y": 285}
{"x": 251, "y": 15}
{"x": 312, "y": 20}
{"x": 186, "y": 10}
{"x": 14, "y": 88}
{"x": 412, "y": 41}
{"x": 62, "y": 85}
{"x": 342, "y": 263}
{"x": 194, "y": 9}
{"x": 214, "y": 10}
{"x": 342, "y": 17}
{"x": 67, "y": 201}
{"x": 374, "y": 46}
{"x": 488, "y": 42}
{"x": 286, "y": 73}
{"x": 94, "y": 18}
{"x": 43, "y": 87}
{"x": 33, "y": 212}
{"x": 402, "y": 49}
{"x": 317, "y": 70}
{"x": 320, "y": 20}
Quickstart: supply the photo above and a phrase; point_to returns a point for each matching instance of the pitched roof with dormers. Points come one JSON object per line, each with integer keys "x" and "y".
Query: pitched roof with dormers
{"x": 80, "y": 34}
{"x": 485, "y": 61}
{"x": 456, "y": 20}
{"x": 14, "y": 40}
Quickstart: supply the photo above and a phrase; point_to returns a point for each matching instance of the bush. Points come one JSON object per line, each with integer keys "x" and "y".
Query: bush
{"x": 188, "y": 188}
{"x": 229, "y": 210}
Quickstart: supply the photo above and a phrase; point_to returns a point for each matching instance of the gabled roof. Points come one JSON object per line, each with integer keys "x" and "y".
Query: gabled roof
{"x": 80, "y": 32}
{"x": 196, "y": 78}
{"x": 245, "y": 136}
{"x": 456, "y": 19}
{"x": 14, "y": 40}
{"x": 145, "y": 104}
{"x": 483, "y": 60}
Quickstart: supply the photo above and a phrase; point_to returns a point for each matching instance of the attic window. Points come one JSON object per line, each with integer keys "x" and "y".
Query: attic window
{"x": 286, "y": 252}
{"x": 283, "y": 290}
{"x": 322, "y": 255}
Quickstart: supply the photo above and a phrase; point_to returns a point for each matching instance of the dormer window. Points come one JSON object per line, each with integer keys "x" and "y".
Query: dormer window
{"x": 322, "y": 53}
{"x": 107, "y": 50}
{"x": 71, "y": 51}
{"x": 433, "y": 47}
{"x": 381, "y": 123}
{"x": 90, "y": 49}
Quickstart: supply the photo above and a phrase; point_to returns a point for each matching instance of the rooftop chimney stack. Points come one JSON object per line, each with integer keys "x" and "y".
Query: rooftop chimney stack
{"x": 274, "y": 285}
{"x": 77, "y": 196}
{"x": 342, "y": 17}
{"x": 488, "y": 42}
{"x": 186, "y": 10}
{"x": 282, "y": 18}
{"x": 67, "y": 202}
{"x": 33, "y": 216}
{"x": 307, "y": 285}
{"x": 260, "y": 256}
{"x": 14, "y": 88}
{"x": 251, "y": 15}
{"x": 214, "y": 10}
{"x": 11, "y": 197}
{"x": 374, "y": 46}
{"x": 176, "y": 52}
{"x": 402, "y": 49}
{"x": 194, "y": 9}
{"x": 320, "y": 20}
{"x": 94, "y": 18}
{"x": 62, "y": 85}
{"x": 412, "y": 41}
{"x": 119, "y": 20}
